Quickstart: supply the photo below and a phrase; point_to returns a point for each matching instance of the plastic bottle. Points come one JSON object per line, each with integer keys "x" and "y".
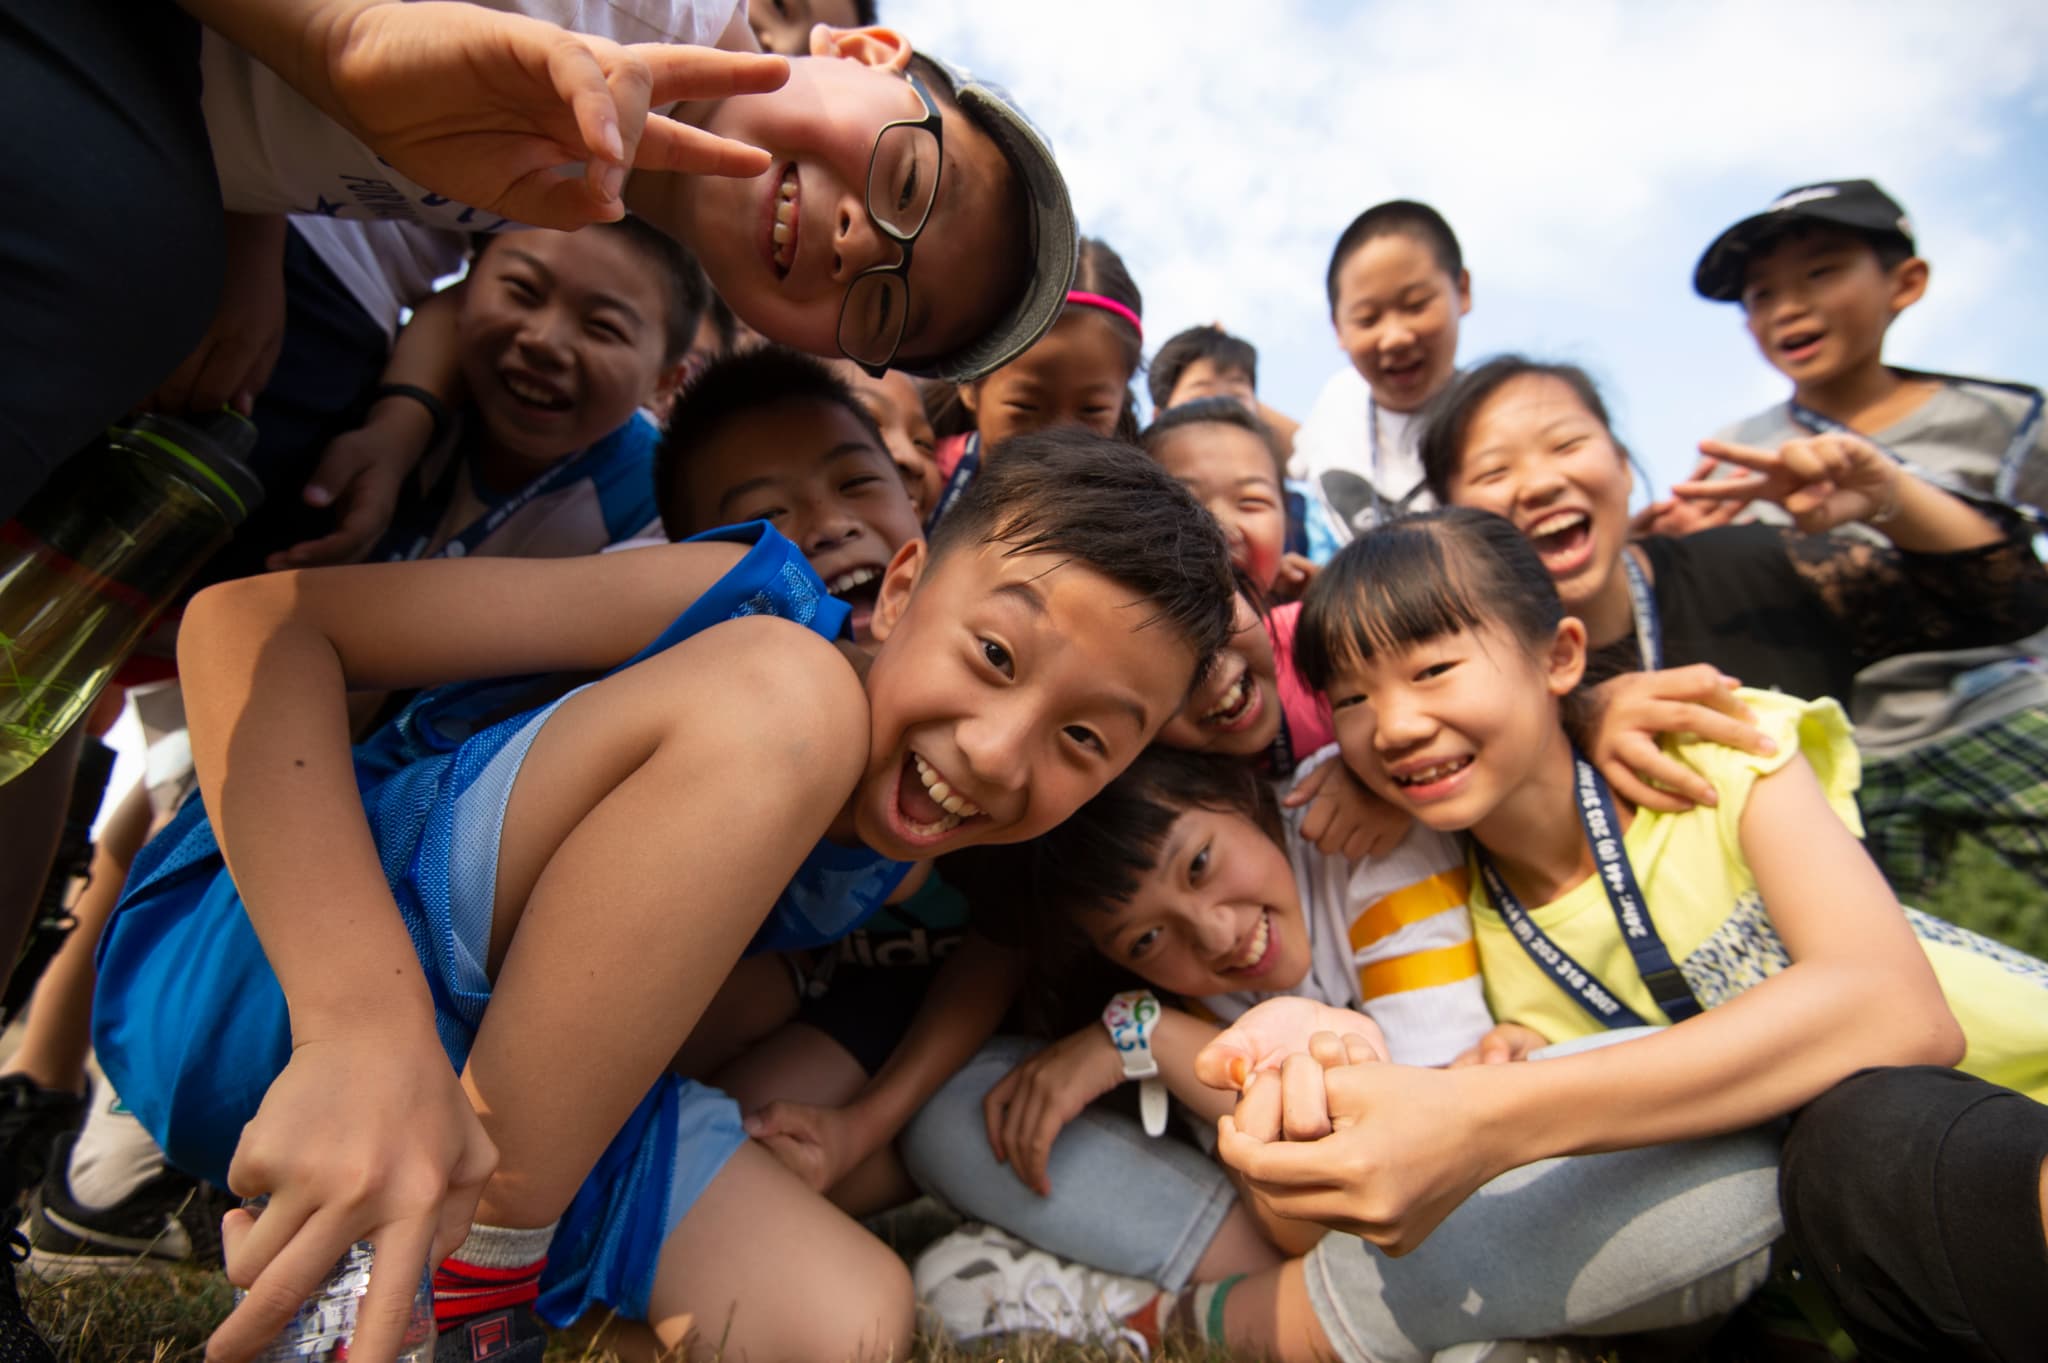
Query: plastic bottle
{"x": 326, "y": 1325}
{"x": 103, "y": 547}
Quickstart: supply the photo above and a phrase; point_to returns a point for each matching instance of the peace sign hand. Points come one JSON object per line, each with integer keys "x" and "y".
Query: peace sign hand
{"x": 484, "y": 107}
{"x": 1822, "y": 480}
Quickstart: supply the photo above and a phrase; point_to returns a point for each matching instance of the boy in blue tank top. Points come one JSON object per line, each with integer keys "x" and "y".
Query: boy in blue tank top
{"x": 447, "y": 1026}
{"x": 829, "y": 1052}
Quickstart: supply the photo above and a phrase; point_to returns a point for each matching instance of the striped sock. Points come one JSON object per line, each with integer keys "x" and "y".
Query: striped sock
{"x": 1206, "y": 1313}
{"x": 494, "y": 1268}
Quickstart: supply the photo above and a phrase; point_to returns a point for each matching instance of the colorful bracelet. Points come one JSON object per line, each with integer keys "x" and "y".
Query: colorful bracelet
{"x": 1130, "y": 1018}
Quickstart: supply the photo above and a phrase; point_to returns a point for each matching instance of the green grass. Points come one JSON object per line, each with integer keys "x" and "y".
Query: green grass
{"x": 164, "y": 1315}
{"x": 1985, "y": 895}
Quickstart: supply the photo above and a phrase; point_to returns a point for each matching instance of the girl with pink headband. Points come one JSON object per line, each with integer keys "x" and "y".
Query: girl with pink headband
{"x": 1078, "y": 374}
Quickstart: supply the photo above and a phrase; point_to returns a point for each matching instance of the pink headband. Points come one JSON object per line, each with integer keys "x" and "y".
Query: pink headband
{"x": 1096, "y": 300}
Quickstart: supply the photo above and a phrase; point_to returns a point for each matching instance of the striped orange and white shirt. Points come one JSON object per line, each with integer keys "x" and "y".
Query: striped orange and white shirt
{"x": 1390, "y": 936}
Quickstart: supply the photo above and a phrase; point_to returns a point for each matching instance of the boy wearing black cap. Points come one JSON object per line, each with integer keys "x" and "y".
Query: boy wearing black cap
{"x": 1952, "y": 742}
{"x": 1820, "y": 275}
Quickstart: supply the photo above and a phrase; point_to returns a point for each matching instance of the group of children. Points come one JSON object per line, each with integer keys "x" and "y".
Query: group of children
{"x": 797, "y": 741}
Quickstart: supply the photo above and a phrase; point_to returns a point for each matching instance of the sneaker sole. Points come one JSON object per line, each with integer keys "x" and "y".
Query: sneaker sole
{"x": 46, "y": 1266}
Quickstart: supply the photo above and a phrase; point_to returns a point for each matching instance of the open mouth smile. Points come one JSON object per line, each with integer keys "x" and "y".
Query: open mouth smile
{"x": 783, "y": 223}
{"x": 927, "y": 808}
{"x": 1563, "y": 540}
{"x": 1238, "y": 706}
{"x": 1255, "y": 956}
{"x": 1424, "y": 781}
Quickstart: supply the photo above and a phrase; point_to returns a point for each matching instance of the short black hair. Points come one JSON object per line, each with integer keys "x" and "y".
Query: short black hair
{"x": 1212, "y": 343}
{"x": 1448, "y": 417}
{"x": 864, "y": 14}
{"x": 764, "y": 376}
{"x": 685, "y": 291}
{"x": 1028, "y": 895}
{"x": 1422, "y": 577}
{"x": 1214, "y": 411}
{"x": 1403, "y": 216}
{"x": 1108, "y": 506}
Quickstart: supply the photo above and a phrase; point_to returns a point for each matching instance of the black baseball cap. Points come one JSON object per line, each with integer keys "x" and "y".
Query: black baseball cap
{"x": 1858, "y": 205}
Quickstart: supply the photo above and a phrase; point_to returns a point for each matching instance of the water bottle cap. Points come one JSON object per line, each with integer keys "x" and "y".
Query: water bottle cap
{"x": 211, "y": 448}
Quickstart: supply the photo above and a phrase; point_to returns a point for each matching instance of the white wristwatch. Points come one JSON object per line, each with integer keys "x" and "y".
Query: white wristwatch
{"x": 1130, "y": 1018}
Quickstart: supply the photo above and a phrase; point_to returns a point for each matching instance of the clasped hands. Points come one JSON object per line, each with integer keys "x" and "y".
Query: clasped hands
{"x": 1328, "y": 1130}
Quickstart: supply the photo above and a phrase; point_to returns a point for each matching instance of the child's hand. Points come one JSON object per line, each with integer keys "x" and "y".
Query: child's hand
{"x": 1296, "y": 572}
{"x": 1504, "y": 1044}
{"x": 1686, "y": 515}
{"x": 360, "y": 476}
{"x": 1404, "y": 1148}
{"x": 1344, "y": 819}
{"x": 483, "y": 107}
{"x": 1029, "y": 1107}
{"x": 819, "y": 1144}
{"x": 1635, "y": 709}
{"x": 1822, "y": 480}
{"x": 1272, "y": 1031}
{"x": 367, "y": 1137}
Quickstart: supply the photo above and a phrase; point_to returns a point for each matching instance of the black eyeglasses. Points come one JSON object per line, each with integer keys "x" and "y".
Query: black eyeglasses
{"x": 903, "y": 183}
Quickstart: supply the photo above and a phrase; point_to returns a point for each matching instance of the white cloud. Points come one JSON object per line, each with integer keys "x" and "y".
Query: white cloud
{"x": 1585, "y": 152}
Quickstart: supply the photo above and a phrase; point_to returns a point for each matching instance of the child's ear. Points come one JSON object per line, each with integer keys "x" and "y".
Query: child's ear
{"x": 970, "y": 397}
{"x": 1565, "y": 665}
{"x": 669, "y": 382}
{"x": 899, "y": 580}
{"x": 882, "y": 47}
{"x": 1909, "y": 283}
{"x": 1464, "y": 292}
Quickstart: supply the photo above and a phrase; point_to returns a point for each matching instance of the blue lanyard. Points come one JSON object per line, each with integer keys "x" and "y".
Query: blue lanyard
{"x": 465, "y": 541}
{"x": 963, "y": 473}
{"x": 1610, "y": 856}
{"x": 1643, "y": 606}
{"x": 2003, "y": 487}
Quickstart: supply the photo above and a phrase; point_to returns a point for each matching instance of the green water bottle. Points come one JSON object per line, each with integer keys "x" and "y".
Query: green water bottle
{"x": 98, "y": 552}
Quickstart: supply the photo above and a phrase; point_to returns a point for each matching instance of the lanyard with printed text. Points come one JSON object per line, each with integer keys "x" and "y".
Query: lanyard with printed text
{"x": 1610, "y": 856}
{"x": 2004, "y": 487}
{"x": 963, "y": 473}
{"x": 1642, "y": 605}
{"x": 465, "y": 541}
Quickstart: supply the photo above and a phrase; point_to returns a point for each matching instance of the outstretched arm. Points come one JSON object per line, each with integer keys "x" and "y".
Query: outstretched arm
{"x": 266, "y": 662}
{"x": 1829, "y": 480}
{"x": 1409, "y": 1145}
{"x": 484, "y": 107}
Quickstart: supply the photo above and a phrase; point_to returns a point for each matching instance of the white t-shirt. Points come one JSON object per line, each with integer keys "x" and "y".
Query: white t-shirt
{"x": 277, "y": 153}
{"x": 1334, "y": 454}
{"x": 1390, "y": 936}
{"x": 386, "y": 267}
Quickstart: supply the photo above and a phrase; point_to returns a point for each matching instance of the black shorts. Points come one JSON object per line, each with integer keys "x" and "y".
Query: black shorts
{"x": 1913, "y": 1195}
{"x": 866, "y": 988}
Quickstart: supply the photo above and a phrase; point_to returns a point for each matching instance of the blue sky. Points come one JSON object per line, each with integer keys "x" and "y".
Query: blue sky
{"x": 1585, "y": 153}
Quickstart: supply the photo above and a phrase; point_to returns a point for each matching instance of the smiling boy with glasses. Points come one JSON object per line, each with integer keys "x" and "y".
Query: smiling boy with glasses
{"x": 994, "y": 244}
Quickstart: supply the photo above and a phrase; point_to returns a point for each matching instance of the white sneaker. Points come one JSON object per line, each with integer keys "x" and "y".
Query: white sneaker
{"x": 982, "y": 1281}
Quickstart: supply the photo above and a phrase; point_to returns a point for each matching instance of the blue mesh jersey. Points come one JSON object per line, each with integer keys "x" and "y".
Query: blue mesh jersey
{"x": 188, "y": 1018}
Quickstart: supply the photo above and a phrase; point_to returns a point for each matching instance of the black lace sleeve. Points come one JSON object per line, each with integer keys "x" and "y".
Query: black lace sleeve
{"x": 1891, "y": 602}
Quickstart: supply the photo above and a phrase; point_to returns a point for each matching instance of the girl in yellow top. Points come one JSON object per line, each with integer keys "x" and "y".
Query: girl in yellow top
{"x": 1757, "y": 925}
